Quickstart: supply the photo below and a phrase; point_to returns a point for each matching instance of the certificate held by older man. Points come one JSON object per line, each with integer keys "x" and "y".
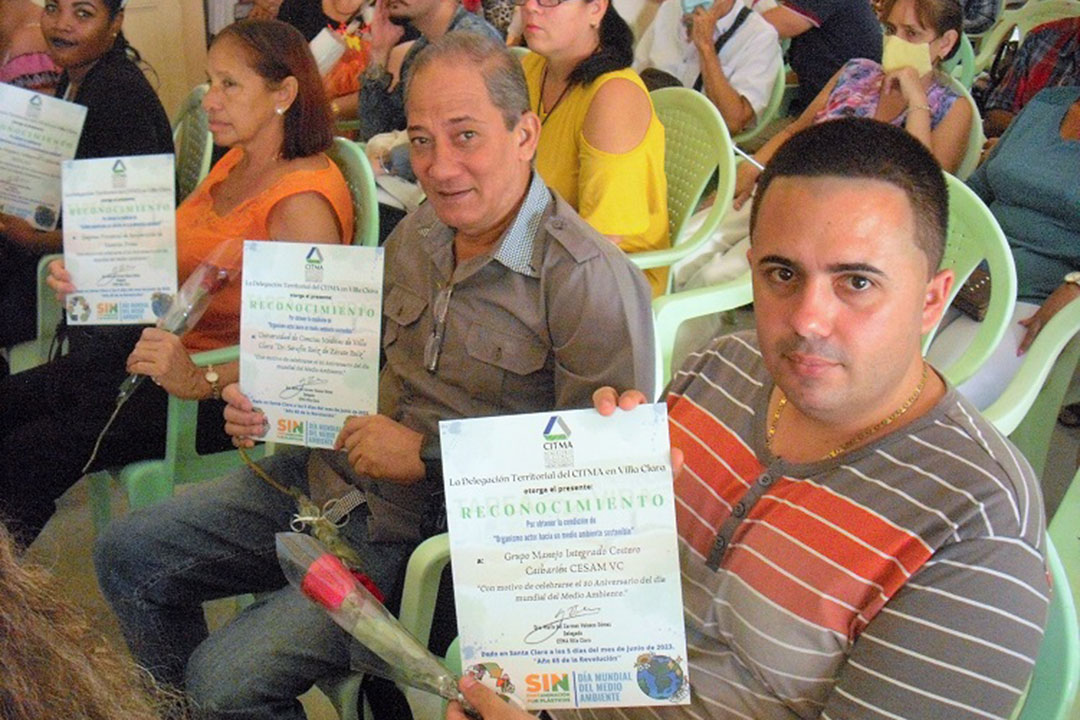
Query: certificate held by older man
{"x": 120, "y": 238}
{"x": 309, "y": 337}
{"x": 37, "y": 133}
{"x": 565, "y": 557}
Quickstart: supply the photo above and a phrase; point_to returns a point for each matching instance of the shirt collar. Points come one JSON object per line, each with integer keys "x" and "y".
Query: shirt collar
{"x": 515, "y": 251}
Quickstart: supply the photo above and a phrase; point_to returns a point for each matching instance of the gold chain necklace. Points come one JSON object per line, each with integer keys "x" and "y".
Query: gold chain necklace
{"x": 862, "y": 435}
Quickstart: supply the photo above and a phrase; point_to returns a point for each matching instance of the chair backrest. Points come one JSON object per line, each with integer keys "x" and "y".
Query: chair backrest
{"x": 354, "y": 165}
{"x": 1027, "y": 409}
{"x": 32, "y": 353}
{"x": 671, "y": 311}
{"x": 962, "y": 64}
{"x": 193, "y": 141}
{"x": 1057, "y": 667}
{"x": 976, "y": 139}
{"x": 1030, "y": 15}
{"x": 770, "y": 112}
{"x": 696, "y": 144}
{"x": 974, "y": 236}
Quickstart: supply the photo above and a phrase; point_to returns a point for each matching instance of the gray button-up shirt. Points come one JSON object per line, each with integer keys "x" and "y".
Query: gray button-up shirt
{"x": 552, "y": 313}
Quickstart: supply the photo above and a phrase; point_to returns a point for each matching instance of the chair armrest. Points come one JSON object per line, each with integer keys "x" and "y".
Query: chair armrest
{"x": 1012, "y": 405}
{"x": 421, "y": 588}
{"x": 668, "y": 256}
{"x": 217, "y": 357}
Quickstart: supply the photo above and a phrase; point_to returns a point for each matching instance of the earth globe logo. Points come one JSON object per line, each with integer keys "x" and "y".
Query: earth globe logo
{"x": 660, "y": 677}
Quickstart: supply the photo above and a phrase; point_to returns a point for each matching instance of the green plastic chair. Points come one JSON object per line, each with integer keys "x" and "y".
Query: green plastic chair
{"x": 418, "y": 597}
{"x": 976, "y": 138}
{"x": 697, "y": 145}
{"x": 32, "y": 353}
{"x": 962, "y": 65}
{"x": 150, "y": 481}
{"x": 770, "y": 112}
{"x": 193, "y": 141}
{"x": 1032, "y": 14}
{"x": 1027, "y": 409}
{"x": 354, "y": 165}
{"x": 1054, "y": 683}
{"x": 975, "y": 236}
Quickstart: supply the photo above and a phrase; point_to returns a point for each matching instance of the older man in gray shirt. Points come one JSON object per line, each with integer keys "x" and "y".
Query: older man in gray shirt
{"x": 498, "y": 299}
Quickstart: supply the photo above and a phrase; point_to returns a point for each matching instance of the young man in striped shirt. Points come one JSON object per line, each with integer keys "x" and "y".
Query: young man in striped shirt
{"x": 856, "y": 541}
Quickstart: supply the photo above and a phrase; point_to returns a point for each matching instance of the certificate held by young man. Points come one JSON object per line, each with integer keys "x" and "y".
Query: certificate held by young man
{"x": 37, "y": 133}
{"x": 565, "y": 557}
{"x": 309, "y": 337}
{"x": 120, "y": 238}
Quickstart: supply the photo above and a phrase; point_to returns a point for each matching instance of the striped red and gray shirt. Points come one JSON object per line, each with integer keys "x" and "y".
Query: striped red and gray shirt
{"x": 904, "y": 579}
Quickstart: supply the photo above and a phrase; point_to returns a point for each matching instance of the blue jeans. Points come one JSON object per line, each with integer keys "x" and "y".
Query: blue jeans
{"x": 158, "y": 565}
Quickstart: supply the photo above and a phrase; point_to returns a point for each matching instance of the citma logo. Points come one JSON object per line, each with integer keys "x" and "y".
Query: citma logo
{"x": 551, "y": 435}
{"x": 314, "y": 257}
{"x": 119, "y": 168}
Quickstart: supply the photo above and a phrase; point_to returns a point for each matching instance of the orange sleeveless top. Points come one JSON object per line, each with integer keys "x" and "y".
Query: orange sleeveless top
{"x": 200, "y": 230}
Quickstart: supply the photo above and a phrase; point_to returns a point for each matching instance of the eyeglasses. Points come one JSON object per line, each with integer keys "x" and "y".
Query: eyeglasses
{"x": 433, "y": 346}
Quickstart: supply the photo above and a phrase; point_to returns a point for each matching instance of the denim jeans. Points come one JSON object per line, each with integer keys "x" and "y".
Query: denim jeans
{"x": 158, "y": 565}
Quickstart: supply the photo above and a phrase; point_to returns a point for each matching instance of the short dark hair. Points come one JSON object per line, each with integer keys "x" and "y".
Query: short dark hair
{"x": 502, "y": 73}
{"x": 872, "y": 150}
{"x": 278, "y": 51}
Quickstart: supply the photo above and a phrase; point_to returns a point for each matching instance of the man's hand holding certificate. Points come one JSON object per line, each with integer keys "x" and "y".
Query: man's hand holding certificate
{"x": 566, "y": 569}
{"x": 309, "y": 337}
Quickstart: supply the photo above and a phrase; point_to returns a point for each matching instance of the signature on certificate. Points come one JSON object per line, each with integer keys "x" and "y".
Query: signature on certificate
{"x": 291, "y": 391}
{"x": 540, "y": 633}
{"x": 117, "y": 273}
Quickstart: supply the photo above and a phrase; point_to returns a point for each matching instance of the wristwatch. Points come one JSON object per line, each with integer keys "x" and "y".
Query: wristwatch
{"x": 213, "y": 378}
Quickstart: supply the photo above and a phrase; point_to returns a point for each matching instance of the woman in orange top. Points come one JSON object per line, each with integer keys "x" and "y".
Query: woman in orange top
{"x": 266, "y": 102}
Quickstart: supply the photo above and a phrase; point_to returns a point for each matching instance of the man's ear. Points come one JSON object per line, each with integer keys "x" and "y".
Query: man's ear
{"x": 936, "y": 298}
{"x": 527, "y": 135}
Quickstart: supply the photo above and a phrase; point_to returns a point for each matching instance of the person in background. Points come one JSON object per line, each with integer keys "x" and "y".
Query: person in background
{"x": 265, "y": 102}
{"x": 918, "y": 99}
{"x": 602, "y": 146}
{"x": 824, "y": 34}
{"x": 498, "y": 299}
{"x": 24, "y": 57}
{"x": 855, "y": 540}
{"x": 380, "y": 103}
{"x": 723, "y": 49}
{"x": 1048, "y": 57}
{"x": 1029, "y": 183}
{"x": 123, "y": 117}
{"x": 980, "y": 15}
{"x": 307, "y": 16}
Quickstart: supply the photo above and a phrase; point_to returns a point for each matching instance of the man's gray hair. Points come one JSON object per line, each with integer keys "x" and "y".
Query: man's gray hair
{"x": 502, "y": 73}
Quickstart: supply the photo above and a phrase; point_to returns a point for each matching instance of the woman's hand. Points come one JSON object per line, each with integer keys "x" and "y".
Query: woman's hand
{"x": 242, "y": 421}
{"x": 160, "y": 355}
{"x": 18, "y": 232}
{"x": 1065, "y": 294}
{"x": 59, "y": 280}
{"x": 906, "y": 81}
{"x": 746, "y": 175}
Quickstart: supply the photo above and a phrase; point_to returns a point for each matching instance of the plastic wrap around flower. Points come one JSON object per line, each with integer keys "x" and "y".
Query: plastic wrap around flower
{"x": 323, "y": 578}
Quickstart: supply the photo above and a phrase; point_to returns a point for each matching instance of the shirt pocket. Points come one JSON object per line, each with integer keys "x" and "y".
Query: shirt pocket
{"x": 505, "y": 365}
{"x": 402, "y": 308}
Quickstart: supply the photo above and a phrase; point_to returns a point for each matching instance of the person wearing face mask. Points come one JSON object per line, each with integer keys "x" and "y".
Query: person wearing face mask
{"x": 905, "y": 90}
